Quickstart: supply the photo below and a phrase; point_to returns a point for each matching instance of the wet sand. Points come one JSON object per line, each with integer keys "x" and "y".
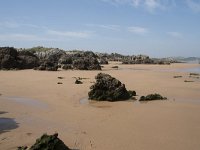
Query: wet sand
{"x": 32, "y": 103}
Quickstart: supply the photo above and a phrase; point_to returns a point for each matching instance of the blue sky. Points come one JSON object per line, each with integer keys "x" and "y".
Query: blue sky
{"x": 159, "y": 28}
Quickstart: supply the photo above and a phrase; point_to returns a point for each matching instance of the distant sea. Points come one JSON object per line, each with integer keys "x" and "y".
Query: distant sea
{"x": 192, "y": 70}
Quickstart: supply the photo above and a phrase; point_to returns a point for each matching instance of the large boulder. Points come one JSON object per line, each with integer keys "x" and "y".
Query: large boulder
{"x": 47, "y": 65}
{"x": 80, "y": 60}
{"x": 49, "y": 60}
{"x": 108, "y": 88}
{"x": 10, "y": 58}
{"x": 86, "y": 63}
{"x": 27, "y": 60}
{"x": 47, "y": 142}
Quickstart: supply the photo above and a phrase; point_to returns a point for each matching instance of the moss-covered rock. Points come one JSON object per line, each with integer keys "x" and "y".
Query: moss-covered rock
{"x": 108, "y": 88}
{"x": 151, "y": 97}
{"x": 47, "y": 142}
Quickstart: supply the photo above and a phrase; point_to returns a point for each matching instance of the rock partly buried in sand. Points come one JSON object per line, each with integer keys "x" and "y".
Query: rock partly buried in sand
{"x": 151, "y": 97}
{"x": 78, "y": 82}
{"x": 108, "y": 88}
{"x": 47, "y": 142}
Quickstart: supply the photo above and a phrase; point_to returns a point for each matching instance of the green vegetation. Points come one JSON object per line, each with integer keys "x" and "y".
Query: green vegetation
{"x": 38, "y": 49}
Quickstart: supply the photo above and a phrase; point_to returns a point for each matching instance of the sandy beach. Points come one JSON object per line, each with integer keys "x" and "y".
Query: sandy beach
{"x": 32, "y": 103}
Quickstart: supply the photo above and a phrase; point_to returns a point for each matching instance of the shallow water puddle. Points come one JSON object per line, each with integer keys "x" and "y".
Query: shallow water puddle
{"x": 84, "y": 101}
{"x": 26, "y": 101}
{"x": 7, "y": 124}
{"x": 97, "y": 104}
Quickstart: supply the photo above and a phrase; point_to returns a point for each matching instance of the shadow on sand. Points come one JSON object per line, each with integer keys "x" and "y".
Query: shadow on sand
{"x": 7, "y": 124}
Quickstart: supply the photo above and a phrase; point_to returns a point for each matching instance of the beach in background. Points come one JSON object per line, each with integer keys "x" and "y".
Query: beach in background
{"x": 32, "y": 103}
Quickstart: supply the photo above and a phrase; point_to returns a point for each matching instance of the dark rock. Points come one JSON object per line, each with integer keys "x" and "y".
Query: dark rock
{"x": 194, "y": 74}
{"x": 103, "y": 61}
{"x": 67, "y": 66}
{"x": 11, "y": 59}
{"x": 151, "y": 97}
{"x": 27, "y": 60}
{"x": 115, "y": 67}
{"x": 132, "y": 93}
{"x": 78, "y": 82}
{"x": 8, "y": 58}
{"x": 188, "y": 81}
{"x": 22, "y": 148}
{"x": 59, "y": 83}
{"x": 86, "y": 63}
{"x": 66, "y": 59}
{"x": 49, "y": 59}
{"x": 108, "y": 88}
{"x": 48, "y": 65}
{"x": 47, "y": 142}
{"x": 178, "y": 76}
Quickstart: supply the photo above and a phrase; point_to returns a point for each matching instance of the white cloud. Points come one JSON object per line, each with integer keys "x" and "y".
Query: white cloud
{"x": 138, "y": 30}
{"x": 23, "y": 37}
{"x": 108, "y": 27}
{"x": 149, "y": 5}
{"x": 136, "y": 3}
{"x": 73, "y": 34}
{"x": 152, "y": 4}
{"x": 194, "y": 5}
{"x": 7, "y": 24}
{"x": 10, "y": 24}
{"x": 116, "y": 2}
{"x": 175, "y": 34}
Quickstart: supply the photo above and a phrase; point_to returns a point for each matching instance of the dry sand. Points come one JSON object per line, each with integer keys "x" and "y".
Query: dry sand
{"x": 32, "y": 103}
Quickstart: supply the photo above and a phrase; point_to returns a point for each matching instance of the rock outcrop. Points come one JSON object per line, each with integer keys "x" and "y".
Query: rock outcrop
{"x": 47, "y": 142}
{"x": 49, "y": 59}
{"x": 108, "y": 88}
{"x": 10, "y": 58}
{"x": 27, "y": 60}
{"x": 103, "y": 61}
{"x": 80, "y": 60}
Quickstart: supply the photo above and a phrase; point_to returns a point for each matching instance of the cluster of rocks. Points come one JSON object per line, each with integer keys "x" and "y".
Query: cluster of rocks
{"x": 108, "y": 88}
{"x": 135, "y": 59}
{"x": 79, "y": 60}
{"x": 140, "y": 59}
{"x": 47, "y": 59}
{"x": 10, "y": 58}
{"x": 47, "y": 142}
{"x": 144, "y": 59}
